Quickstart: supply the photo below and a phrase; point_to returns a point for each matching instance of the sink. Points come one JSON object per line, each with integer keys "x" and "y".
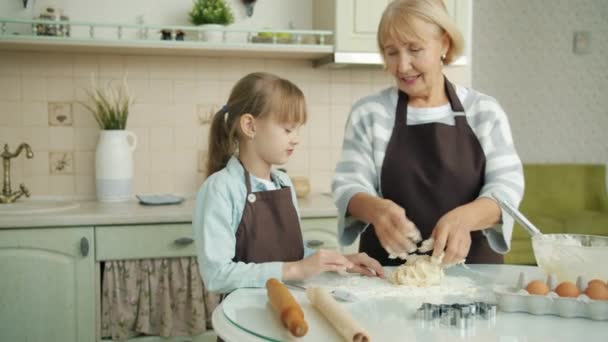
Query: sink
{"x": 36, "y": 207}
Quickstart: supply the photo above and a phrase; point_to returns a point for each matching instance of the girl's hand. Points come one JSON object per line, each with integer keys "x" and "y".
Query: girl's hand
{"x": 452, "y": 237}
{"x": 319, "y": 262}
{"x": 365, "y": 265}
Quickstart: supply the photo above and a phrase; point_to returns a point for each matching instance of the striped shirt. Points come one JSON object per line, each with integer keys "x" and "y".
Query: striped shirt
{"x": 369, "y": 128}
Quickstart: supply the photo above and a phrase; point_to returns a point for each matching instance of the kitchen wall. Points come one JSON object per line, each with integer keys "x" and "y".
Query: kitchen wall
{"x": 39, "y": 95}
{"x": 556, "y": 100}
{"x": 174, "y": 95}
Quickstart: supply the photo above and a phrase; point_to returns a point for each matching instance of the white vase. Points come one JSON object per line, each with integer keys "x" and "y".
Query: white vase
{"x": 213, "y": 33}
{"x": 114, "y": 165}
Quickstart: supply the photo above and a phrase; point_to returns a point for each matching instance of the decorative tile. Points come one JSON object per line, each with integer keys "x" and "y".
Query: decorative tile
{"x": 61, "y": 163}
{"x": 60, "y": 114}
{"x": 205, "y": 113}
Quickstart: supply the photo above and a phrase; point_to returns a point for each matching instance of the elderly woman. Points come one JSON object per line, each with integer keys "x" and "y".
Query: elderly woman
{"x": 423, "y": 159}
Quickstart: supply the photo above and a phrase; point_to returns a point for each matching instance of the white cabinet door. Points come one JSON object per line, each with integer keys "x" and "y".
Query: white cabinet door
{"x": 357, "y": 24}
{"x": 47, "y": 285}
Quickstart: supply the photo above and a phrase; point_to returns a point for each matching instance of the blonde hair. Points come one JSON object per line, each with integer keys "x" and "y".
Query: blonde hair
{"x": 259, "y": 94}
{"x": 396, "y": 23}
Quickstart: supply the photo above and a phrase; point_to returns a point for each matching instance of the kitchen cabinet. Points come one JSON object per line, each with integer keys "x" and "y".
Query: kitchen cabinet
{"x": 50, "y": 280}
{"x": 355, "y": 22}
{"x": 47, "y": 290}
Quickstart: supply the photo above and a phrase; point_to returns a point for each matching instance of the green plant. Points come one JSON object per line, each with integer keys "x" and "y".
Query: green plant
{"x": 211, "y": 12}
{"x": 110, "y": 105}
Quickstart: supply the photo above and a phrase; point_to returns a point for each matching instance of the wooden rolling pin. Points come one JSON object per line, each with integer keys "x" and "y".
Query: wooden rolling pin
{"x": 285, "y": 305}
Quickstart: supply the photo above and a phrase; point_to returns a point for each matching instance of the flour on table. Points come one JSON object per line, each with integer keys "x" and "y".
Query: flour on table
{"x": 363, "y": 287}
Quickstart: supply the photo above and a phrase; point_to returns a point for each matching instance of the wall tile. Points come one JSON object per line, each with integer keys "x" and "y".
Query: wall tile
{"x": 86, "y": 66}
{"x": 10, "y": 113}
{"x": 185, "y": 91}
{"x": 161, "y": 137}
{"x": 160, "y": 182}
{"x": 33, "y": 88}
{"x": 137, "y": 67}
{"x": 319, "y": 126}
{"x": 37, "y": 185}
{"x": 32, "y": 65}
{"x": 61, "y": 138}
{"x": 10, "y": 63}
{"x": 85, "y": 186}
{"x": 37, "y": 166}
{"x": 60, "y": 89}
{"x": 37, "y": 137}
{"x": 208, "y": 69}
{"x": 112, "y": 67}
{"x": 321, "y": 162}
{"x": 10, "y": 88}
{"x": 59, "y": 65}
{"x": 84, "y": 163}
{"x": 160, "y": 91}
{"x": 162, "y": 159}
{"x": 62, "y": 186}
{"x": 85, "y": 138}
{"x": 185, "y": 162}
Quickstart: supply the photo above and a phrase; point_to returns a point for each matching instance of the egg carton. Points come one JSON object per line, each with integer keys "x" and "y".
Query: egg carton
{"x": 517, "y": 299}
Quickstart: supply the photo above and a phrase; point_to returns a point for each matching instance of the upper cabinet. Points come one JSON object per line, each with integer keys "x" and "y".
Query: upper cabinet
{"x": 355, "y": 22}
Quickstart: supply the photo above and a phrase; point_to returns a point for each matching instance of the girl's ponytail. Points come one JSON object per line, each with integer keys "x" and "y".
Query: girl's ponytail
{"x": 222, "y": 142}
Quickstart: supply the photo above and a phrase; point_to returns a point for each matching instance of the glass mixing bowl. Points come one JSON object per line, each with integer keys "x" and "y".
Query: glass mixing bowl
{"x": 569, "y": 256}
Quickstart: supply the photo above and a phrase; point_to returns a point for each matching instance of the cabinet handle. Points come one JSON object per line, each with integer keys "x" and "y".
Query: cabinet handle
{"x": 314, "y": 243}
{"x": 183, "y": 241}
{"x": 84, "y": 246}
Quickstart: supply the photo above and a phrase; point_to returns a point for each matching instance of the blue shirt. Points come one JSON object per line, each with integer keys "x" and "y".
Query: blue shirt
{"x": 218, "y": 212}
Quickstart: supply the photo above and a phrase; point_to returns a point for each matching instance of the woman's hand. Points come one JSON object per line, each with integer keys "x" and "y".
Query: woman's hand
{"x": 364, "y": 264}
{"x": 321, "y": 261}
{"x": 452, "y": 237}
{"x": 396, "y": 233}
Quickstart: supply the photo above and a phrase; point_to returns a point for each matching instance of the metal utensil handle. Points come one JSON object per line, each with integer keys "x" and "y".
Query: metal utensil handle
{"x": 518, "y": 216}
{"x": 84, "y": 246}
{"x": 183, "y": 241}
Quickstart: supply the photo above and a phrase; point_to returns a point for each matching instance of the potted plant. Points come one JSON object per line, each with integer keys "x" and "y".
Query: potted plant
{"x": 114, "y": 154}
{"x": 211, "y": 15}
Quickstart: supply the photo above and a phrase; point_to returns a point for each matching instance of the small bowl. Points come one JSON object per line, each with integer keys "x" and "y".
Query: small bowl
{"x": 571, "y": 255}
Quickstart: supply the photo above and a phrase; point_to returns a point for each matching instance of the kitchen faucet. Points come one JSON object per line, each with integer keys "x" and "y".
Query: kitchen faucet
{"x": 8, "y": 196}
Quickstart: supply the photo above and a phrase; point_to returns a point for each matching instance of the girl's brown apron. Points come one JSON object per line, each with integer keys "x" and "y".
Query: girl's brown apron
{"x": 269, "y": 229}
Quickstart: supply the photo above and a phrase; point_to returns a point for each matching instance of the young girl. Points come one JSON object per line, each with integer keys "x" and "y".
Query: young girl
{"x": 246, "y": 222}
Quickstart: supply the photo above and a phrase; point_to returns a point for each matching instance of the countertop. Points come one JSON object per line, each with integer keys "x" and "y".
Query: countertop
{"x": 94, "y": 213}
{"x": 393, "y": 319}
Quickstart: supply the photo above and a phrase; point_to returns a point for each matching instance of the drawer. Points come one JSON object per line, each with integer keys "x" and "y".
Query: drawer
{"x": 317, "y": 239}
{"x": 144, "y": 241}
{"x": 328, "y": 224}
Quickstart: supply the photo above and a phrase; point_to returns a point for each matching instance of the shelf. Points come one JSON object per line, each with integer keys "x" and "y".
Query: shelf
{"x": 136, "y": 39}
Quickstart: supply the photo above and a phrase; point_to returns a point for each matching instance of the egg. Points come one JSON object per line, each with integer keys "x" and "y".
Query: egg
{"x": 595, "y": 281}
{"x": 537, "y": 287}
{"x": 567, "y": 289}
{"x": 597, "y": 291}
